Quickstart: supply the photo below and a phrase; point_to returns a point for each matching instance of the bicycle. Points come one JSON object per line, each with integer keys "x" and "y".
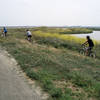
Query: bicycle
{"x": 84, "y": 49}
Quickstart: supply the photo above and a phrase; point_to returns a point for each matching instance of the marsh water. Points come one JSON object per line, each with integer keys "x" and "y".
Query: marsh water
{"x": 95, "y": 35}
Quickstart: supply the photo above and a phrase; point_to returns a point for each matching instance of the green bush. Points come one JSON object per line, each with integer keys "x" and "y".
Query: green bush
{"x": 47, "y": 84}
{"x": 66, "y": 97}
{"x": 32, "y": 74}
{"x": 56, "y": 92}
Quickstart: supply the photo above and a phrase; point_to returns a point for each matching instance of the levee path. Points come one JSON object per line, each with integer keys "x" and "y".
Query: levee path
{"x": 12, "y": 86}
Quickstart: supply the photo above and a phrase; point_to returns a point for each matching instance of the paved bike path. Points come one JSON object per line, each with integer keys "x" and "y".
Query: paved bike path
{"x": 13, "y": 87}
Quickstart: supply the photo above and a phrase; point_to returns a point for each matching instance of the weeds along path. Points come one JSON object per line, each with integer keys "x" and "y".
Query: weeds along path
{"x": 13, "y": 87}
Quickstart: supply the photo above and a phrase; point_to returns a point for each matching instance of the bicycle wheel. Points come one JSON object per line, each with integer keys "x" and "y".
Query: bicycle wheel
{"x": 82, "y": 52}
{"x": 93, "y": 55}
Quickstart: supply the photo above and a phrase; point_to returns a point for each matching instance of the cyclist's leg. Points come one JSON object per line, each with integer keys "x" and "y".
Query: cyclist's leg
{"x": 90, "y": 50}
{"x": 87, "y": 51}
{"x": 29, "y": 38}
{"x": 5, "y": 34}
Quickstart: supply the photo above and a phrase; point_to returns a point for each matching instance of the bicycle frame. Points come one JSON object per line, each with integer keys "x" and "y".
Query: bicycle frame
{"x": 87, "y": 52}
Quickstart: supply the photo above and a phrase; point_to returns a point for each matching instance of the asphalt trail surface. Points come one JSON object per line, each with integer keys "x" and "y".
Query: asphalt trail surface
{"x": 12, "y": 86}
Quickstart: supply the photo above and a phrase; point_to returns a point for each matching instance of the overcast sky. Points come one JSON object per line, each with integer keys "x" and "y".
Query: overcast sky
{"x": 50, "y": 12}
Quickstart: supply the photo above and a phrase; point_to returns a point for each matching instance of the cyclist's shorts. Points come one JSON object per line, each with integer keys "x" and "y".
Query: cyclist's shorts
{"x": 29, "y": 35}
{"x": 89, "y": 48}
{"x": 5, "y": 32}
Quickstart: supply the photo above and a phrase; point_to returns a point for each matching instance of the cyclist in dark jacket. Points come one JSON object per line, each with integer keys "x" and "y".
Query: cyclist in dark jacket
{"x": 90, "y": 43}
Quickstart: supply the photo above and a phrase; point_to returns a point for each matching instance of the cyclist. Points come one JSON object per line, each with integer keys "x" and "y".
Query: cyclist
{"x": 4, "y": 32}
{"x": 90, "y": 44}
{"x": 29, "y": 35}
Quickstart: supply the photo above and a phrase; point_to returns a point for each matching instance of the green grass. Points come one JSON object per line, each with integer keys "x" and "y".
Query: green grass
{"x": 56, "y": 64}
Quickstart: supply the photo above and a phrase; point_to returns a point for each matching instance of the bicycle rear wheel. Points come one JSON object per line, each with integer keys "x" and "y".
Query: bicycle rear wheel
{"x": 93, "y": 55}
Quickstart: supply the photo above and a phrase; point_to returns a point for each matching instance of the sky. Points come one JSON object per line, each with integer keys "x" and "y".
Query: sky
{"x": 49, "y": 12}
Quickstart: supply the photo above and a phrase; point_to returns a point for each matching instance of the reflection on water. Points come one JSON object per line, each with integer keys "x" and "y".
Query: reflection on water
{"x": 95, "y": 35}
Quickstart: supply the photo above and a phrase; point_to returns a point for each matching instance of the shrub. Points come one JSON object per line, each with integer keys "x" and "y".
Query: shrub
{"x": 47, "y": 84}
{"x": 66, "y": 97}
{"x": 32, "y": 74}
{"x": 55, "y": 92}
